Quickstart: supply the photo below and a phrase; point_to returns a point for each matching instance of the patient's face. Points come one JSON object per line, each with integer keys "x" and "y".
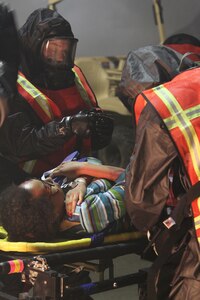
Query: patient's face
{"x": 48, "y": 188}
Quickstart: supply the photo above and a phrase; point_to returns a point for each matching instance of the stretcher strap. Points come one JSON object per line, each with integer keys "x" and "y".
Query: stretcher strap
{"x": 97, "y": 239}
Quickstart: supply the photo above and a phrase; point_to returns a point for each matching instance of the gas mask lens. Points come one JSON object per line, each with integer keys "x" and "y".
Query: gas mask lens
{"x": 59, "y": 52}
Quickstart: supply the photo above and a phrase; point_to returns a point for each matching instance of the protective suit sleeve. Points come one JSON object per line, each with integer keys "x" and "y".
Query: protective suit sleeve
{"x": 20, "y": 139}
{"x": 9, "y": 60}
{"x": 9, "y": 50}
{"x": 147, "y": 183}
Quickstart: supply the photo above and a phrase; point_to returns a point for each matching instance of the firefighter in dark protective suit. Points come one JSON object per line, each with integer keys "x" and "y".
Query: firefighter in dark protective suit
{"x": 55, "y": 111}
{"x": 162, "y": 185}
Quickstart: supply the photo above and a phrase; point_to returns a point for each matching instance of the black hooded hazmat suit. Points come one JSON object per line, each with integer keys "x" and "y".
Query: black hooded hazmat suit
{"x": 23, "y": 135}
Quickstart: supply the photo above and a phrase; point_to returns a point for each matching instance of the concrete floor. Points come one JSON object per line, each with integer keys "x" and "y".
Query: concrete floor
{"x": 124, "y": 265}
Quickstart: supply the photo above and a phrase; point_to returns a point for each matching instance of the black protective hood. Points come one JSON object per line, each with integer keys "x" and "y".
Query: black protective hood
{"x": 40, "y": 25}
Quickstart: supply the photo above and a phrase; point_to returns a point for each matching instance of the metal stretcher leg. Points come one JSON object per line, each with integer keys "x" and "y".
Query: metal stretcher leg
{"x": 55, "y": 281}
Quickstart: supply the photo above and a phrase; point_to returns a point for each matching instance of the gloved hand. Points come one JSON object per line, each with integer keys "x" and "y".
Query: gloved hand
{"x": 102, "y": 129}
{"x": 9, "y": 51}
{"x": 79, "y": 124}
{"x": 90, "y": 123}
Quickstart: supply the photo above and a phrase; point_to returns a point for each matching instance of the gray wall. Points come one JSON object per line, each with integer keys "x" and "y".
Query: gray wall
{"x": 113, "y": 27}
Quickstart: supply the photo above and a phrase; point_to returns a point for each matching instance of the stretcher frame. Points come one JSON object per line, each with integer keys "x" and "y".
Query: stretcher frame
{"x": 53, "y": 284}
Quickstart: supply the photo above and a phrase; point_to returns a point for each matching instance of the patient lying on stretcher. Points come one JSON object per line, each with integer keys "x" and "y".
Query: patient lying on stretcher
{"x": 40, "y": 210}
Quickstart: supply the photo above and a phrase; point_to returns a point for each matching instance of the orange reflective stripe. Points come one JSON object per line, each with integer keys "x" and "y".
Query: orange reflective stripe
{"x": 139, "y": 105}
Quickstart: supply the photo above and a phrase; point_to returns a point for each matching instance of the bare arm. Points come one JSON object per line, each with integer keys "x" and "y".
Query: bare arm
{"x": 73, "y": 170}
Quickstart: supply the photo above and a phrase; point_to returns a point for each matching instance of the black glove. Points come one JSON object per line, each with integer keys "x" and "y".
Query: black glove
{"x": 102, "y": 129}
{"x": 102, "y": 124}
{"x": 78, "y": 124}
{"x": 90, "y": 123}
{"x": 9, "y": 51}
{"x": 81, "y": 124}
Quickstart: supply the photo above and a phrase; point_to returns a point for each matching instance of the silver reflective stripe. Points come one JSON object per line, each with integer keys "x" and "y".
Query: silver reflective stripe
{"x": 37, "y": 95}
{"x": 81, "y": 89}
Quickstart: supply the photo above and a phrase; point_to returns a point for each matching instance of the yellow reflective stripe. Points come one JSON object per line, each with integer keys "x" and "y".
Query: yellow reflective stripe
{"x": 183, "y": 123}
{"x": 36, "y": 94}
{"x": 81, "y": 89}
{"x": 170, "y": 123}
{"x": 198, "y": 204}
{"x": 197, "y": 219}
{"x": 197, "y": 226}
{"x": 192, "y": 113}
{"x": 29, "y": 165}
{"x": 197, "y": 222}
